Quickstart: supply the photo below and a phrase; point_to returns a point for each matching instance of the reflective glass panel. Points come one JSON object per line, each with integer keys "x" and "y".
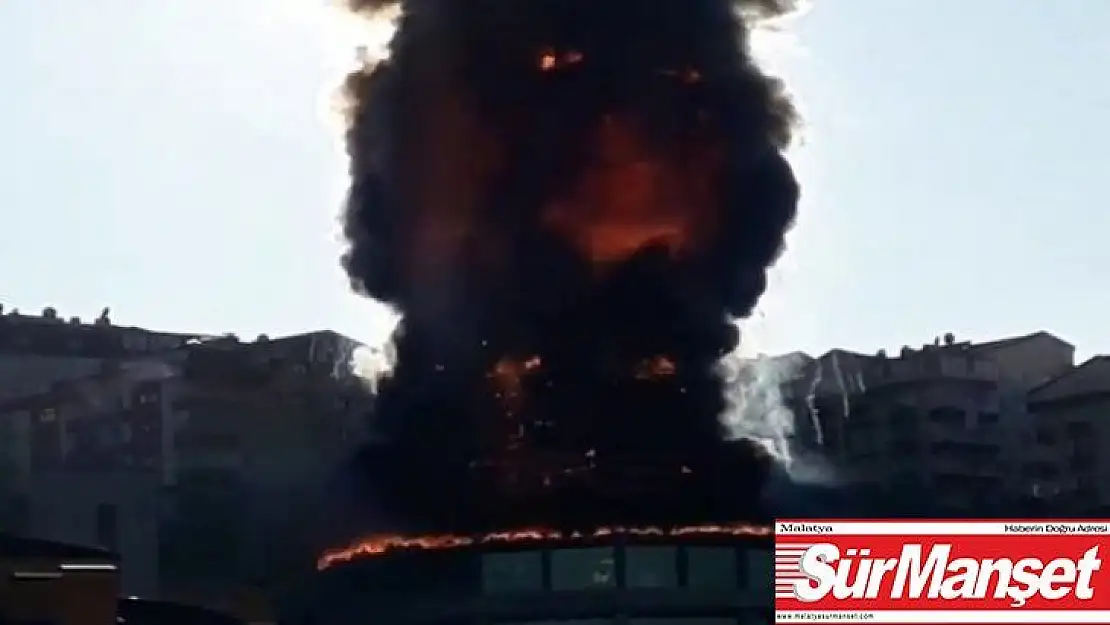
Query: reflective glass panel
{"x": 760, "y": 570}
{"x": 651, "y": 567}
{"x": 577, "y": 569}
{"x": 711, "y": 567}
{"x": 512, "y": 571}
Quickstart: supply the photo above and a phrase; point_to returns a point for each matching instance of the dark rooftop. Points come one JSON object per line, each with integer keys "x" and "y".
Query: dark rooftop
{"x": 12, "y": 546}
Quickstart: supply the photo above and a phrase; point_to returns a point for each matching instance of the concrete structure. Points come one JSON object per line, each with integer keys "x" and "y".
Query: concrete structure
{"x": 687, "y": 581}
{"x": 171, "y": 457}
{"x": 38, "y": 351}
{"x": 948, "y": 418}
{"x": 1072, "y": 436}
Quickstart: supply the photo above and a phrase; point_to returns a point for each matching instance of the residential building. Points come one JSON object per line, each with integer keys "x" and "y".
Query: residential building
{"x": 948, "y": 418}
{"x": 1072, "y": 435}
{"x": 37, "y": 350}
{"x": 148, "y": 454}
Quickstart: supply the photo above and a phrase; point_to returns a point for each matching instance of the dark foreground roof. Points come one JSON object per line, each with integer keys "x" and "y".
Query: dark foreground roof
{"x": 12, "y": 546}
{"x": 136, "y": 611}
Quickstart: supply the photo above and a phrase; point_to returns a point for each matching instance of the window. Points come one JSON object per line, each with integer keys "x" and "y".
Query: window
{"x": 1082, "y": 463}
{"x": 987, "y": 419}
{"x": 512, "y": 571}
{"x": 180, "y": 418}
{"x": 106, "y": 435}
{"x": 1045, "y": 436}
{"x": 901, "y": 447}
{"x": 651, "y": 567}
{"x": 760, "y": 570}
{"x": 577, "y": 569}
{"x": 903, "y": 415}
{"x": 1080, "y": 429}
{"x": 107, "y": 526}
{"x": 711, "y": 567}
{"x": 948, "y": 417}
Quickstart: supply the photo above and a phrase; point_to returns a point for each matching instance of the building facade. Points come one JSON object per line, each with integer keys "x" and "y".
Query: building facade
{"x": 1072, "y": 435}
{"x": 705, "y": 581}
{"x": 180, "y": 459}
{"x": 949, "y": 418}
{"x": 38, "y": 350}
{"x": 36, "y": 353}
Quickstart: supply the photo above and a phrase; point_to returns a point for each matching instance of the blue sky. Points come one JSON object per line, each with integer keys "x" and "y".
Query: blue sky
{"x": 168, "y": 158}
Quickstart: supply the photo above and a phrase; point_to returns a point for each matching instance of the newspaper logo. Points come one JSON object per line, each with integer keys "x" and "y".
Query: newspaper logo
{"x": 933, "y": 571}
{"x": 788, "y": 570}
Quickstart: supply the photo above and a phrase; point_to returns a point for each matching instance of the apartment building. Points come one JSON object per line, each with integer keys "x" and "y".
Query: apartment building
{"x": 175, "y": 458}
{"x": 948, "y": 418}
{"x": 1072, "y": 435}
{"x": 37, "y": 351}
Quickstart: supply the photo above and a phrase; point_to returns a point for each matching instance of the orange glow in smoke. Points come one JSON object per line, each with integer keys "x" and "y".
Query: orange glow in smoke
{"x": 657, "y": 367}
{"x": 551, "y": 60}
{"x": 507, "y": 375}
{"x": 633, "y": 197}
{"x": 689, "y": 75}
{"x": 381, "y": 544}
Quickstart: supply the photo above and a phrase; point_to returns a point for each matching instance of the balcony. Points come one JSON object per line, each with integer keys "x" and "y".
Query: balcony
{"x": 929, "y": 366}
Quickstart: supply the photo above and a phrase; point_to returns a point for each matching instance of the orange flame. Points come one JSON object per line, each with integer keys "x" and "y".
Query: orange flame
{"x": 657, "y": 367}
{"x": 507, "y": 375}
{"x": 633, "y": 197}
{"x": 387, "y": 543}
{"x": 551, "y": 60}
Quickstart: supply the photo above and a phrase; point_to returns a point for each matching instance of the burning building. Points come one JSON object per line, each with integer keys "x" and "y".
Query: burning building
{"x": 568, "y": 202}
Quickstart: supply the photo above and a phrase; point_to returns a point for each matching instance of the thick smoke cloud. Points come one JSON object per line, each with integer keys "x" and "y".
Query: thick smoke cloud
{"x": 567, "y": 200}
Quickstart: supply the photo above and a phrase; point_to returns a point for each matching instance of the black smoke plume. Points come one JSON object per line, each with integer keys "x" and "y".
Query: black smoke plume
{"x": 567, "y": 201}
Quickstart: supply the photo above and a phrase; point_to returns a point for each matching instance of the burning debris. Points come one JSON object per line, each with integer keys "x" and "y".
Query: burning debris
{"x": 568, "y": 201}
{"x": 381, "y": 544}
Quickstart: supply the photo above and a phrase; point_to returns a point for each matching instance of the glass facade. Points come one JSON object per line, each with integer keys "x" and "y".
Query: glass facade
{"x": 644, "y": 567}
{"x": 508, "y": 572}
{"x": 651, "y": 567}
{"x": 583, "y": 569}
{"x": 760, "y": 572}
{"x": 711, "y": 567}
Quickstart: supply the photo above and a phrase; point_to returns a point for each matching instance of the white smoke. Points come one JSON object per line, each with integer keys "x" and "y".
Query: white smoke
{"x": 757, "y": 410}
{"x": 371, "y": 364}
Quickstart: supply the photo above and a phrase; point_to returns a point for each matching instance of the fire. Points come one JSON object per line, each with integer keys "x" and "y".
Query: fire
{"x": 551, "y": 60}
{"x": 507, "y": 376}
{"x": 381, "y": 544}
{"x": 633, "y": 197}
{"x": 657, "y": 367}
{"x": 689, "y": 75}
